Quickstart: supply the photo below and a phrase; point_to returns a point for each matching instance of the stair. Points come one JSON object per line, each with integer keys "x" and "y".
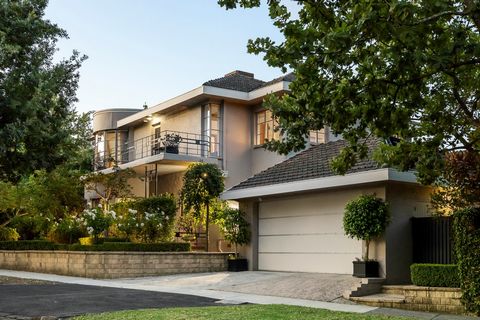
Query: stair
{"x": 367, "y": 286}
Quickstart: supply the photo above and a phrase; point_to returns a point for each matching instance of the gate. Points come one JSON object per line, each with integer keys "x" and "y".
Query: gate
{"x": 432, "y": 240}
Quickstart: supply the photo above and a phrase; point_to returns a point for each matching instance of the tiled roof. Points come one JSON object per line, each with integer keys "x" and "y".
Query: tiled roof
{"x": 236, "y": 80}
{"x": 288, "y": 77}
{"x": 309, "y": 164}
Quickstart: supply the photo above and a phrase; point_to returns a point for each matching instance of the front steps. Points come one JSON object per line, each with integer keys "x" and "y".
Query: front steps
{"x": 445, "y": 300}
{"x": 367, "y": 286}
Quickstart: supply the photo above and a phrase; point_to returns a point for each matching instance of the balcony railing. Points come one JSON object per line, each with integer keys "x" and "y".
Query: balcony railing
{"x": 173, "y": 142}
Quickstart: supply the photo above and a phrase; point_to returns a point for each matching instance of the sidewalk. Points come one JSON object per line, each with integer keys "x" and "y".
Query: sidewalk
{"x": 225, "y": 296}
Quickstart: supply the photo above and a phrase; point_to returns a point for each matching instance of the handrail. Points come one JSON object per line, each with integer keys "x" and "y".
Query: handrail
{"x": 167, "y": 141}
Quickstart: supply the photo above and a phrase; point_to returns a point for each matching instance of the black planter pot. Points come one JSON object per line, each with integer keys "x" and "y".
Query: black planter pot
{"x": 236, "y": 265}
{"x": 171, "y": 149}
{"x": 365, "y": 269}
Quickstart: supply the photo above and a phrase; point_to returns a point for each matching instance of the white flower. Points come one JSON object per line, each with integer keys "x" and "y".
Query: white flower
{"x": 119, "y": 224}
{"x": 99, "y": 205}
{"x": 142, "y": 224}
{"x": 132, "y": 211}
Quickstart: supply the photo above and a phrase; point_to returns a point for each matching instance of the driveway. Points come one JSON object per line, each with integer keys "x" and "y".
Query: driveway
{"x": 309, "y": 286}
{"x": 66, "y": 300}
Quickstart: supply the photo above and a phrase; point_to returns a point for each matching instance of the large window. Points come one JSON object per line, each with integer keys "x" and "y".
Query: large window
{"x": 265, "y": 124}
{"x": 212, "y": 128}
{"x": 316, "y": 136}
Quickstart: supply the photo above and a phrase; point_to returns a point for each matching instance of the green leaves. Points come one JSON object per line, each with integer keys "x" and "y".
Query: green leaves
{"x": 36, "y": 95}
{"x": 388, "y": 68}
{"x": 366, "y": 218}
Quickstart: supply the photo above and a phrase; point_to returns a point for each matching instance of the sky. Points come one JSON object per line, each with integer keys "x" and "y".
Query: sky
{"x": 148, "y": 51}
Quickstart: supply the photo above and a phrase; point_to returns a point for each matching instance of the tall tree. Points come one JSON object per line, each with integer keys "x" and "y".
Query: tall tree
{"x": 408, "y": 69}
{"x": 36, "y": 94}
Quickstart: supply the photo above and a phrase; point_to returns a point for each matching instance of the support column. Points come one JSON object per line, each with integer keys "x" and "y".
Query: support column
{"x": 146, "y": 181}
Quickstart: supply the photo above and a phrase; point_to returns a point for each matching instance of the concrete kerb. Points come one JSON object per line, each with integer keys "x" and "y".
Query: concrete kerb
{"x": 214, "y": 294}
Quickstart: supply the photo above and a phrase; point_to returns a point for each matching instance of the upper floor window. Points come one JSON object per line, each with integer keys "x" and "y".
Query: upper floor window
{"x": 264, "y": 127}
{"x": 212, "y": 129}
{"x": 316, "y": 136}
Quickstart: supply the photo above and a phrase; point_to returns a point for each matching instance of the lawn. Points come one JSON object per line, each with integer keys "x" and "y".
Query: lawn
{"x": 250, "y": 312}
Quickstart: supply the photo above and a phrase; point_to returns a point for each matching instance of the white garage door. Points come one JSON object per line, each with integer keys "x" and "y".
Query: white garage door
{"x": 305, "y": 234}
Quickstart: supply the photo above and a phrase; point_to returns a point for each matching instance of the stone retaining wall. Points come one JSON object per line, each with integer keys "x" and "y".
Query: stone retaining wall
{"x": 109, "y": 265}
{"x": 432, "y": 299}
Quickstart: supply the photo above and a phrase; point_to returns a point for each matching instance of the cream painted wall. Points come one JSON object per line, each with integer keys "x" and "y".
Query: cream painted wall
{"x": 171, "y": 183}
{"x": 189, "y": 120}
{"x": 263, "y": 159}
{"x": 405, "y": 201}
{"x": 237, "y": 137}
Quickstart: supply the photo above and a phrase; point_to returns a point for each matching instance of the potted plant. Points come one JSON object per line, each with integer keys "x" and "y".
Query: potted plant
{"x": 171, "y": 142}
{"x": 236, "y": 230}
{"x": 366, "y": 218}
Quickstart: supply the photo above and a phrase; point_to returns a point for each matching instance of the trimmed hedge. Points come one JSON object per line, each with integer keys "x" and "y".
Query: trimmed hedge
{"x": 88, "y": 241}
{"x": 435, "y": 275}
{"x": 107, "y": 246}
{"x": 466, "y": 229}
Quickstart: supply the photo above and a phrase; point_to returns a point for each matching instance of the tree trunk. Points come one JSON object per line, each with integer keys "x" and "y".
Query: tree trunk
{"x": 207, "y": 222}
{"x": 367, "y": 243}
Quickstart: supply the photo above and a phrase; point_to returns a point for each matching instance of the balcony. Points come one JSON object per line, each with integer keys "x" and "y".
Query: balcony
{"x": 169, "y": 144}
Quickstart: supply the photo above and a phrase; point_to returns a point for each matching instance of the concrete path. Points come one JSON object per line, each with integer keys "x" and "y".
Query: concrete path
{"x": 215, "y": 286}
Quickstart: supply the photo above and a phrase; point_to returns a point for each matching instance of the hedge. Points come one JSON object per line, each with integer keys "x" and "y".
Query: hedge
{"x": 466, "y": 229}
{"x": 435, "y": 275}
{"x": 107, "y": 246}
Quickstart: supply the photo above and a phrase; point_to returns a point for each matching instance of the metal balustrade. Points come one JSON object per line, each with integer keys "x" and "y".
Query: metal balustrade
{"x": 168, "y": 141}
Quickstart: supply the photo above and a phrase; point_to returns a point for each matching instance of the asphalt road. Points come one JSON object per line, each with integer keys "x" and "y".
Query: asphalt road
{"x": 66, "y": 300}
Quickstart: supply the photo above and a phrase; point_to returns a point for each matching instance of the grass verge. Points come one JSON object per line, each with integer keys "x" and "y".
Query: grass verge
{"x": 251, "y": 312}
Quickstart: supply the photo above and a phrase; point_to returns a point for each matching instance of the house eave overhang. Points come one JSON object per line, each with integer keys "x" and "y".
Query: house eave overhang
{"x": 357, "y": 178}
{"x": 205, "y": 92}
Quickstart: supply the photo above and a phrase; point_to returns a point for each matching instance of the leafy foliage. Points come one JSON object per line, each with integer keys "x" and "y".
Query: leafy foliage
{"x": 156, "y": 218}
{"x": 202, "y": 185}
{"x": 8, "y": 234}
{"x": 435, "y": 275}
{"x": 235, "y": 227}
{"x": 366, "y": 218}
{"x": 68, "y": 231}
{"x": 31, "y": 227}
{"x": 96, "y": 221}
{"x": 466, "y": 228}
{"x": 106, "y": 246}
{"x": 459, "y": 186}
{"x": 36, "y": 94}
{"x": 110, "y": 186}
{"x": 42, "y": 194}
{"x": 385, "y": 68}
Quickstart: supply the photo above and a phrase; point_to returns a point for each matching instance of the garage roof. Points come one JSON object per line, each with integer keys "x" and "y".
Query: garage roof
{"x": 309, "y": 164}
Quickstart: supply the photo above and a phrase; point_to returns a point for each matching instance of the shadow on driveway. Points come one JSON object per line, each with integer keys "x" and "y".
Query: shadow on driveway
{"x": 66, "y": 300}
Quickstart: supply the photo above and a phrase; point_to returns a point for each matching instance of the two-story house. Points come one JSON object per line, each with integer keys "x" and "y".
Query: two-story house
{"x": 295, "y": 206}
{"x": 221, "y": 122}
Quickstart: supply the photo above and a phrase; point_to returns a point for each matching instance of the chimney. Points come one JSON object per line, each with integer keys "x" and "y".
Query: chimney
{"x": 240, "y": 73}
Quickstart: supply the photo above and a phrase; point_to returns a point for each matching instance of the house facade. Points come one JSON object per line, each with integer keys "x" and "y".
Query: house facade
{"x": 221, "y": 122}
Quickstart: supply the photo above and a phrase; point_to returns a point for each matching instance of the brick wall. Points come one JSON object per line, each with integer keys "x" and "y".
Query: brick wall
{"x": 112, "y": 264}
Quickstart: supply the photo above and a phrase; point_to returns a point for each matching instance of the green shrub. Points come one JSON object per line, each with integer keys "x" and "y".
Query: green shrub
{"x": 435, "y": 275}
{"x": 235, "y": 228}
{"x": 366, "y": 218}
{"x": 8, "y": 234}
{"x": 466, "y": 229}
{"x": 147, "y": 247}
{"x": 89, "y": 241}
{"x": 28, "y": 245}
{"x": 156, "y": 218}
{"x": 107, "y": 246}
{"x": 68, "y": 231}
{"x": 31, "y": 227}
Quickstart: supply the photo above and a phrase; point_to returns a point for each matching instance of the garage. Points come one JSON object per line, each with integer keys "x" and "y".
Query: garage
{"x": 305, "y": 234}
